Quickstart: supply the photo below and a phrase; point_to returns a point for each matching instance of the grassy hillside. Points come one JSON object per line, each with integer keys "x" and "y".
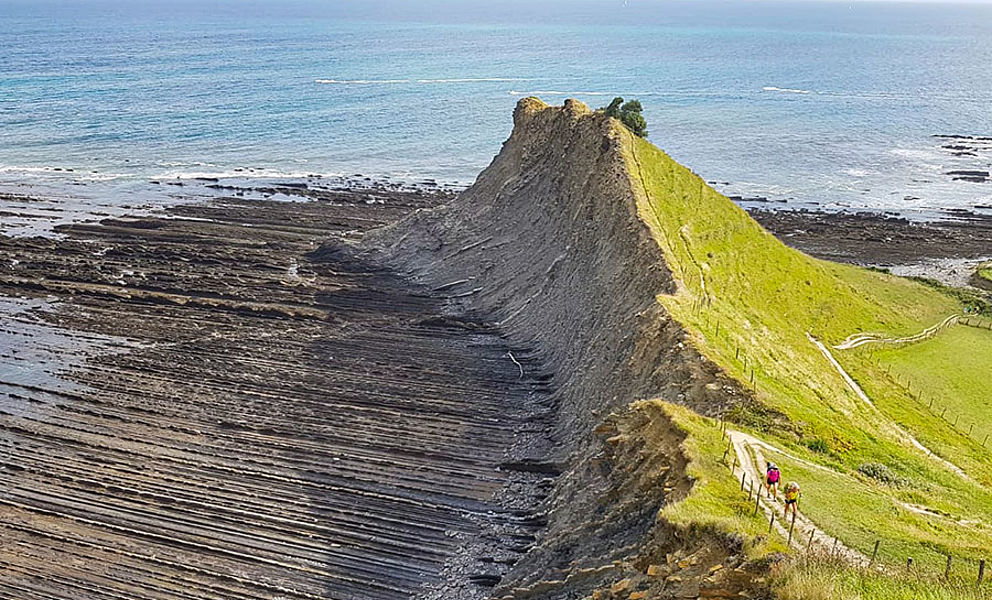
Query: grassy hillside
{"x": 985, "y": 271}
{"x": 750, "y": 304}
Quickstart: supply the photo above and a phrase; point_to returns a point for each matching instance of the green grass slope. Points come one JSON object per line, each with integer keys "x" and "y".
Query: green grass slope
{"x": 750, "y": 302}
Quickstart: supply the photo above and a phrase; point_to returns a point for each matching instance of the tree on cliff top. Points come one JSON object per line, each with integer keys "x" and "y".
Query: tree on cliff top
{"x": 629, "y": 113}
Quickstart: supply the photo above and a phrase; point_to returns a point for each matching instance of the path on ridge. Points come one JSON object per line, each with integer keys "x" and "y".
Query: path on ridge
{"x": 860, "y": 339}
{"x": 899, "y": 431}
{"x": 749, "y": 452}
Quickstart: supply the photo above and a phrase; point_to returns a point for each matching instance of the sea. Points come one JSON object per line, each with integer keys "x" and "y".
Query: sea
{"x": 790, "y": 104}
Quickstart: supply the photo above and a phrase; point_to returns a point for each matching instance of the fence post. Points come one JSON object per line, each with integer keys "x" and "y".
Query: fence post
{"x": 757, "y": 499}
{"x": 874, "y": 553}
{"x": 947, "y": 569}
{"x": 771, "y": 523}
{"x": 981, "y": 571}
{"x": 734, "y": 468}
{"x": 791, "y": 527}
{"x": 743, "y": 477}
{"x": 809, "y": 544}
{"x": 909, "y": 564}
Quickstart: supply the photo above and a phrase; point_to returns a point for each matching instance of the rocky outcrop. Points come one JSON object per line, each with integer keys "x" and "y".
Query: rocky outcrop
{"x": 547, "y": 245}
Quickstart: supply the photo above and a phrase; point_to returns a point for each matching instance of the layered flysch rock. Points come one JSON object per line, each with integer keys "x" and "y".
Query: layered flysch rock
{"x": 548, "y": 246}
{"x": 199, "y": 411}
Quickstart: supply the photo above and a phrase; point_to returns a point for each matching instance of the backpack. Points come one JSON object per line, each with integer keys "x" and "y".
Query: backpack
{"x": 774, "y": 475}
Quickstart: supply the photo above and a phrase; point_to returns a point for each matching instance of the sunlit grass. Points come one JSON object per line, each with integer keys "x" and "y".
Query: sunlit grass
{"x": 748, "y": 302}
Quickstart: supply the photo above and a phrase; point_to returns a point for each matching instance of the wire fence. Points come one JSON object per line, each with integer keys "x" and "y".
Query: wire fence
{"x": 815, "y": 542}
{"x": 973, "y": 428}
{"x": 823, "y": 545}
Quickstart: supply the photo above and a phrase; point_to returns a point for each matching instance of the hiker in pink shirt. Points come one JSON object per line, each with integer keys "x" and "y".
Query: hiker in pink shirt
{"x": 772, "y": 477}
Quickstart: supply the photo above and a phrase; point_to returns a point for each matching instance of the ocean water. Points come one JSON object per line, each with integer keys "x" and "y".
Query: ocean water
{"x": 808, "y": 103}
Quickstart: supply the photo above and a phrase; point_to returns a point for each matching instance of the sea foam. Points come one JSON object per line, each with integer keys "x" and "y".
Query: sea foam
{"x": 421, "y": 81}
{"x": 785, "y": 90}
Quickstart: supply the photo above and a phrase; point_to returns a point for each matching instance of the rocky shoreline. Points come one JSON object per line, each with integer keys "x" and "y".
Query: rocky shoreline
{"x": 115, "y": 323}
{"x": 191, "y": 401}
{"x": 877, "y": 239}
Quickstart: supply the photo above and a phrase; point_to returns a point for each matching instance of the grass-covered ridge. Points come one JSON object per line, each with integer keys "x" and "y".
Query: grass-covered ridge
{"x": 750, "y": 304}
{"x": 985, "y": 272}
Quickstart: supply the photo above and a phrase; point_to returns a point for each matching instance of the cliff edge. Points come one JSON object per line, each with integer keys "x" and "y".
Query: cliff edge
{"x": 548, "y": 244}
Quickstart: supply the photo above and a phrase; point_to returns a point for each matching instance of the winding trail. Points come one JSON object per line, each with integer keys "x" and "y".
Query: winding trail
{"x": 749, "y": 451}
{"x": 899, "y": 431}
{"x": 860, "y": 339}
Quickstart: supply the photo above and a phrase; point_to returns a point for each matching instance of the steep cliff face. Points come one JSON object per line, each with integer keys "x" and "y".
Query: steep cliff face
{"x": 548, "y": 245}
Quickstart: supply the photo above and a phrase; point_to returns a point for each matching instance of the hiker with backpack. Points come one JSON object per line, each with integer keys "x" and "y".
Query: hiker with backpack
{"x": 791, "y": 498}
{"x": 772, "y": 477}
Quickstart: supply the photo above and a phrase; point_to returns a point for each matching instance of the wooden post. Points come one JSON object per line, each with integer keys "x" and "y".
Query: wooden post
{"x": 931, "y": 401}
{"x": 750, "y": 490}
{"x": 981, "y": 571}
{"x": 737, "y": 353}
{"x": 947, "y": 569}
{"x": 727, "y": 451}
{"x": 734, "y": 468}
{"x": 971, "y": 428}
{"x": 985, "y": 440}
{"x": 909, "y": 564}
{"x": 743, "y": 477}
{"x": 771, "y": 523}
{"x": 809, "y": 544}
{"x": 791, "y": 527}
{"x": 833, "y": 549}
{"x": 874, "y": 553}
{"x": 757, "y": 499}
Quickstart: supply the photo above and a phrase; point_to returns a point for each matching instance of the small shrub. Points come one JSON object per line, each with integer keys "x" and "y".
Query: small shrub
{"x": 629, "y": 113}
{"x": 881, "y": 473}
{"x": 975, "y": 302}
{"x": 818, "y": 445}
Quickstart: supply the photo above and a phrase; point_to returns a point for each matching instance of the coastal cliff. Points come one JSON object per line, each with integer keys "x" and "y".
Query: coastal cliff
{"x": 549, "y": 246}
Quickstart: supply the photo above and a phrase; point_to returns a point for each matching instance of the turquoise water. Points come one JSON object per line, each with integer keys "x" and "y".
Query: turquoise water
{"x": 814, "y": 103}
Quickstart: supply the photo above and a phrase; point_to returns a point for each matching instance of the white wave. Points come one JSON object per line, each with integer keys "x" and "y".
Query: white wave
{"x": 785, "y": 90}
{"x": 361, "y": 81}
{"x": 420, "y": 81}
{"x": 60, "y": 173}
{"x": 240, "y": 174}
{"x": 474, "y": 79}
{"x": 557, "y": 93}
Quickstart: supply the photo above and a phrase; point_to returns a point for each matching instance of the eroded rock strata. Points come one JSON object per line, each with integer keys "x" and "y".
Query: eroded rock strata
{"x": 362, "y": 395}
{"x": 243, "y": 422}
{"x": 548, "y": 245}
